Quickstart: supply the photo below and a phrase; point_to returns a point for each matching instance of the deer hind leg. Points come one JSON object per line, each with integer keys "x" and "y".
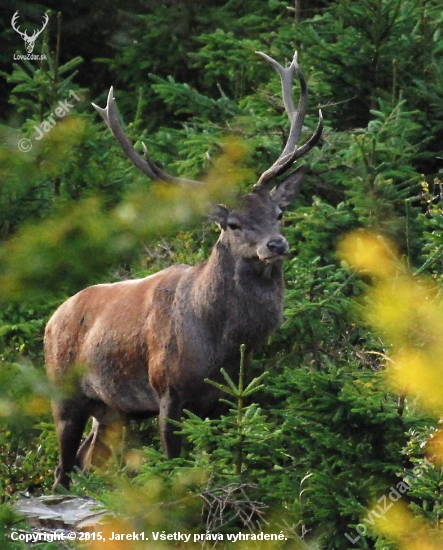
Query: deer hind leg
{"x": 97, "y": 449}
{"x": 85, "y": 455}
{"x": 170, "y": 408}
{"x": 70, "y": 418}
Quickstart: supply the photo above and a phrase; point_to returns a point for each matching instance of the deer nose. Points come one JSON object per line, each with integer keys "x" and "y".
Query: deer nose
{"x": 278, "y": 246}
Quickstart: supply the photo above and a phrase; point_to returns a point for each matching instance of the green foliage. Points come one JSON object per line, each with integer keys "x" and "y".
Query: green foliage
{"x": 322, "y": 439}
{"x": 250, "y": 434}
{"x": 42, "y": 83}
{"x": 425, "y": 477}
{"x": 9, "y": 519}
{"x": 345, "y": 431}
{"x": 26, "y": 193}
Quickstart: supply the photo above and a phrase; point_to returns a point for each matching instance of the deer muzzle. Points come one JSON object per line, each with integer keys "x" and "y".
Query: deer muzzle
{"x": 273, "y": 249}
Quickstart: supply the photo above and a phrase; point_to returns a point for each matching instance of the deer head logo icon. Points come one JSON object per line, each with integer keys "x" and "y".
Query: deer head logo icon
{"x": 29, "y": 40}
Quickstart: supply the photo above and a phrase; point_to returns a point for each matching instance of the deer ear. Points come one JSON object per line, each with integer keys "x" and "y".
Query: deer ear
{"x": 288, "y": 189}
{"x": 219, "y": 214}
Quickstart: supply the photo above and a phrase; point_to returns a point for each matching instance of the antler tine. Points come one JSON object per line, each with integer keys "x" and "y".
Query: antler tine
{"x": 13, "y": 23}
{"x": 37, "y": 33}
{"x": 45, "y": 22}
{"x": 146, "y": 165}
{"x": 296, "y": 117}
{"x": 287, "y": 77}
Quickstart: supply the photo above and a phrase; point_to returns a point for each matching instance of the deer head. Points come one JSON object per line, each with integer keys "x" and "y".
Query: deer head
{"x": 29, "y": 40}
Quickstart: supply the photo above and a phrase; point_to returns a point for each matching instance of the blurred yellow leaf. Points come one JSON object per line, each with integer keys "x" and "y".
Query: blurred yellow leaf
{"x": 409, "y": 532}
{"x": 369, "y": 252}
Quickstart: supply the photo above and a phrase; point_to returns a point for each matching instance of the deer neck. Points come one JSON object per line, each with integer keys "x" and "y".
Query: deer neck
{"x": 239, "y": 300}
{"x": 245, "y": 279}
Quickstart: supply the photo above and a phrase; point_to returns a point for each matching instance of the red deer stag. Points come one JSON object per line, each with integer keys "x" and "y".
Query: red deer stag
{"x": 147, "y": 345}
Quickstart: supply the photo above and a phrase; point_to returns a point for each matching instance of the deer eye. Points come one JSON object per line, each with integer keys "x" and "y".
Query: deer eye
{"x": 280, "y": 216}
{"x": 234, "y": 226}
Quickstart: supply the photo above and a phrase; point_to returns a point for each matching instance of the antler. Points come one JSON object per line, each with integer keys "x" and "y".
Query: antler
{"x": 25, "y": 34}
{"x": 146, "y": 165}
{"x": 45, "y": 22}
{"x": 291, "y": 152}
{"x": 13, "y": 22}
